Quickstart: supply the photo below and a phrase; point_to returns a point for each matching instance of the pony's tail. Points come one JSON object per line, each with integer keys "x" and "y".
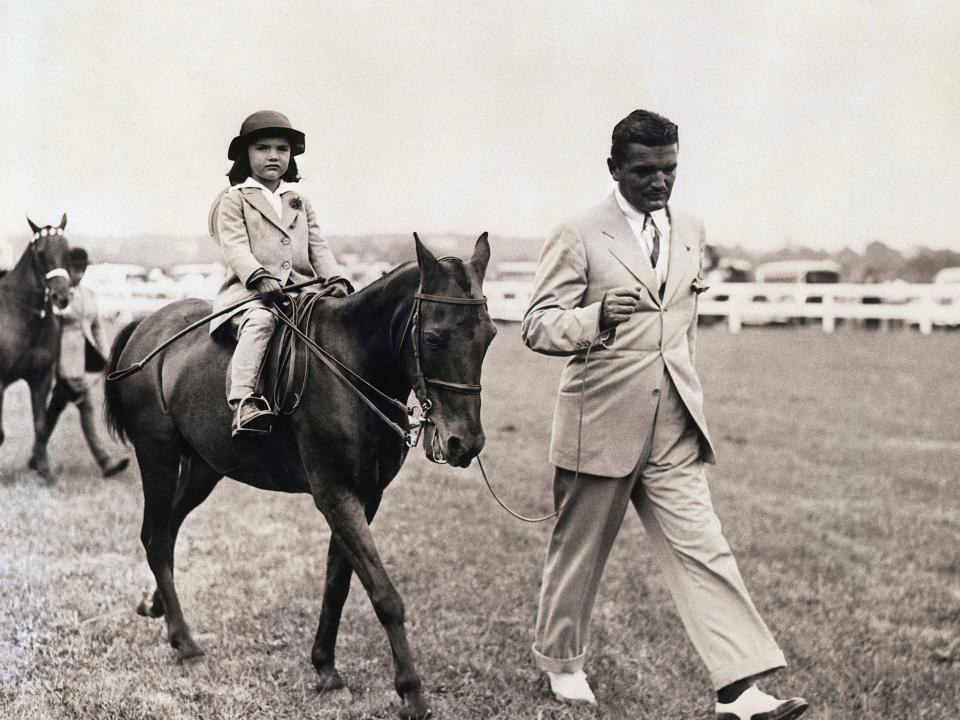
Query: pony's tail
{"x": 113, "y": 408}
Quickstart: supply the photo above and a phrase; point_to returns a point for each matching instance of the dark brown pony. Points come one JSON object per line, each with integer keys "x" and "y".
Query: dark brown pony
{"x": 410, "y": 329}
{"x": 30, "y": 328}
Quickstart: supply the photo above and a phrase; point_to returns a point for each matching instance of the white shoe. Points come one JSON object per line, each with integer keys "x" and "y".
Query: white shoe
{"x": 754, "y": 704}
{"x": 571, "y": 687}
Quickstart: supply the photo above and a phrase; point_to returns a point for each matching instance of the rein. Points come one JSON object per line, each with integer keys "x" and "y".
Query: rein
{"x": 576, "y": 473}
{"x": 351, "y": 378}
{"x": 414, "y": 329}
{"x": 122, "y": 373}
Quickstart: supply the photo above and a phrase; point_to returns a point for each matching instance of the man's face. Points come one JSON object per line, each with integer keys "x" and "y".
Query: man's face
{"x": 269, "y": 160}
{"x": 76, "y": 273}
{"x": 646, "y": 174}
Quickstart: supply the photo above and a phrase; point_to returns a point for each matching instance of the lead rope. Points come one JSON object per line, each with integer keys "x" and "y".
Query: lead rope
{"x": 576, "y": 474}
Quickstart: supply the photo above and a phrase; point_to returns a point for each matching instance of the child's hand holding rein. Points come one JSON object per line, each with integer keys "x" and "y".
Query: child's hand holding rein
{"x": 270, "y": 291}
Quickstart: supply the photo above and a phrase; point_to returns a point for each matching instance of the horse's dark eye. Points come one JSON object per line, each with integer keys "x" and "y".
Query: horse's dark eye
{"x": 432, "y": 339}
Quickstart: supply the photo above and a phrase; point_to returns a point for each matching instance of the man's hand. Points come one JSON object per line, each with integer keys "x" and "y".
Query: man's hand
{"x": 270, "y": 292}
{"x": 618, "y": 304}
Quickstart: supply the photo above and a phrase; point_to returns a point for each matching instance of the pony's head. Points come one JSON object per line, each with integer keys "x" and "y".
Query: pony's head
{"x": 50, "y": 251}
{"x": 450, "y": 331}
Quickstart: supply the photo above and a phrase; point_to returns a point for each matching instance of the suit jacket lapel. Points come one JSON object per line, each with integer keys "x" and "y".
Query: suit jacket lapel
{"x": 257, "y": 200}
{"x": 625, "y": 247}
{"x": 289, "y": 212}
{"x": 682, "y": 256}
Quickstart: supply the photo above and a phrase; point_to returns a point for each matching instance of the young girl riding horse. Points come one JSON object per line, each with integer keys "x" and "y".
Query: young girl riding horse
{"x": 270, "y": 238}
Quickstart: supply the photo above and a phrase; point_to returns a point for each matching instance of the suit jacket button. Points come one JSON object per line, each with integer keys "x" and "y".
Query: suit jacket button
{"x": 656, "y": 391}
{"x": 285, "y": 264}
{"x": 285, "y": 241}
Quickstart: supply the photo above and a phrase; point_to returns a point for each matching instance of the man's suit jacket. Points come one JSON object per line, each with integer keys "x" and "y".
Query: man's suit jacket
{"x": 250, "y": 236}
{"x": 580, "y": 262}
{"x": 83, "y": 345}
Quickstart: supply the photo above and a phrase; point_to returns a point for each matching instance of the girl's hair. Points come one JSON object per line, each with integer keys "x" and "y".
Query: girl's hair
{"x": 241, "y": 170}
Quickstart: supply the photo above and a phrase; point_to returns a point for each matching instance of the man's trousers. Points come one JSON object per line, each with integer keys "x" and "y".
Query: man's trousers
{"x": 76, "y": 391}
{"x": 669, "y": 490}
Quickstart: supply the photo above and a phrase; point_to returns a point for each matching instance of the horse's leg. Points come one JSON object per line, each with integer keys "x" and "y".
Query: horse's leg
{"x": 335, "y": 594}
{"x": 159, "y": 467}
{"x": 197, "y": 480}
{"x": 345, "y": 514}
{"x": 39, "y": 392}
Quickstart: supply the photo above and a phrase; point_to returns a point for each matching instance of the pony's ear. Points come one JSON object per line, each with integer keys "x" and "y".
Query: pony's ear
{"x": 63, "y": 221}
{"x": 481, "y": 255}
{"x": 33, "y": 226}
{"x": 429, "y": 265}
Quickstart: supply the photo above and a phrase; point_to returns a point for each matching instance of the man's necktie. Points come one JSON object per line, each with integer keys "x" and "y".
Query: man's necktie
{"x": 653, "y": 238}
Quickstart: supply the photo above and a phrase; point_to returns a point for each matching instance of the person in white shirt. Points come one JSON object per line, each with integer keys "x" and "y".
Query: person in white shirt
{"x": 83, "y": 349}
{"x": 270, "y": 238}
{"x": 616, "y": 289}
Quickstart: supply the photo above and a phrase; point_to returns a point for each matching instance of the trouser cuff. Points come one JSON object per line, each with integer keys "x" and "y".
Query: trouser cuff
{"x": 756, "y": 665}
{"x": 558, "y": 665}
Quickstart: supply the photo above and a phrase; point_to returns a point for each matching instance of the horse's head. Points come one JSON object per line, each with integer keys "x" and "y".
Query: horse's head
{"x": 50, "y": 251}
{"x": 450, "y": 332}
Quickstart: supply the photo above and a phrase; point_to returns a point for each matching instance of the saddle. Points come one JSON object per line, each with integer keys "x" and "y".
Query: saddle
{"x": 285, "y": 370}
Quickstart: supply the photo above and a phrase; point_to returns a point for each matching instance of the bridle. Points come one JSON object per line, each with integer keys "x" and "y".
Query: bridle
{"x": 418, "y": 416}
{"x": 42, "y": 272}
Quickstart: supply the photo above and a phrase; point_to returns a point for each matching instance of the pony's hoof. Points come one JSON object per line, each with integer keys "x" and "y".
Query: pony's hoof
{"x": 329, "y": 679}
{"x": 150, "y": 606}
{"x": 187, "y": 649}
{"x": 414, "y": 708}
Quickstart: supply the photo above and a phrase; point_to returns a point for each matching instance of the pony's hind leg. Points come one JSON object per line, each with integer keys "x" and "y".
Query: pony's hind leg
{"x": 197, "y": 481}
{"x": 335, "y": 593}
{"x": 164, "y": 508}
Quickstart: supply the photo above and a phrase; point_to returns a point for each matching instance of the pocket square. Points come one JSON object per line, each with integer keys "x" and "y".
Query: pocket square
{"x": 698, "y": 285}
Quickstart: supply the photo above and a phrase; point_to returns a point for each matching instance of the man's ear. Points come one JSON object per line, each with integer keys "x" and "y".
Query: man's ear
{"x": 614, "y": 169}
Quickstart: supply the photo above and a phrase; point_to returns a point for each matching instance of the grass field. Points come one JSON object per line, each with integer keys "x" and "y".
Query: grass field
{"x": 837, "y": 486}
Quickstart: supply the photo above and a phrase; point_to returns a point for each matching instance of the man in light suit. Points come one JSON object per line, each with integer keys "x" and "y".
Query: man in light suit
{"x": 616, "y": 289}
{"x": 83, "y": 349}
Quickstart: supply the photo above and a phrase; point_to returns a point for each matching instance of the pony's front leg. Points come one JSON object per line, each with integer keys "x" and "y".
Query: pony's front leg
{"x": 345, "y": 514}
{"x": 335, "y": 591}
{"x": 39, "y": 393}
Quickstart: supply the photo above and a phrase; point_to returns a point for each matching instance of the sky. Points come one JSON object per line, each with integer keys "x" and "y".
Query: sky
{"x": 818, "y": 124}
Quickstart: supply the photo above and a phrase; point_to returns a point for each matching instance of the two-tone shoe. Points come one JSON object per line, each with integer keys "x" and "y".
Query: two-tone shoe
{"x": 754, "y": 704}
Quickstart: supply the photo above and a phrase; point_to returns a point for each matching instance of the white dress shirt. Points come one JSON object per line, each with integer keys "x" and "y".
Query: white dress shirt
{"x": 635, "y": 219}
{"x": 276, "y": 202}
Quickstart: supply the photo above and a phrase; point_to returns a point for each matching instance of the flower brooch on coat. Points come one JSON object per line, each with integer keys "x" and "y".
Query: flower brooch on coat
{"x": 295, "y": 202}
{"x": 698, "y": 285}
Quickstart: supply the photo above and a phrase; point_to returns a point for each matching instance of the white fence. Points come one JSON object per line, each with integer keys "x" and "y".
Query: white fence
{"x": 926, "y": 305}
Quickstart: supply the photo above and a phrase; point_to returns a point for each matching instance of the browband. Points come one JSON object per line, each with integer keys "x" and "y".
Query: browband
{"x": 47, "y": 231}
{"x": 57, "y": 272}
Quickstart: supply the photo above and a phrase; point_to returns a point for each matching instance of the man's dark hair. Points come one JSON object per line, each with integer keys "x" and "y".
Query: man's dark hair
{"x": 644, "y": 127}
{"x": 241, "y": 171}
{"x": 78, "y": 258}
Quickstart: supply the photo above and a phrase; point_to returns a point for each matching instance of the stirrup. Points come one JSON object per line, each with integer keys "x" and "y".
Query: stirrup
{"x": 257, "y": 421}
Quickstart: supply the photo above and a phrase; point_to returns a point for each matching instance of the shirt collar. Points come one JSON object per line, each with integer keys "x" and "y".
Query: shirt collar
{"x": 660, "y": 217}
{"x": 284, "y": 187}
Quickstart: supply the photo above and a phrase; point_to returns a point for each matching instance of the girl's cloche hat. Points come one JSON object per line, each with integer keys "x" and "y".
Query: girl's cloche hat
{"x": 263, "y": 123}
